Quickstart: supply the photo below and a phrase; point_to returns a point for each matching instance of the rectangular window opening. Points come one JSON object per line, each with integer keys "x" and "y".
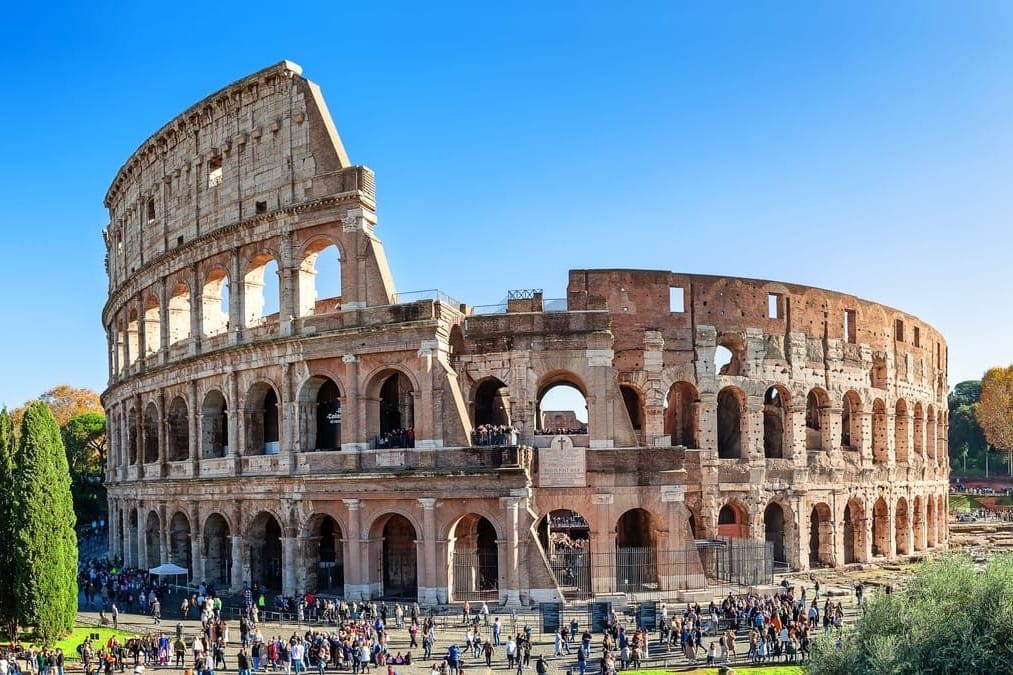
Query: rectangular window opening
{"x": 774, "y": 310}
{"x": 179, "y": 241}
{"x": 676, "y": 299}
{"x": 151, "y": 211}
{"x": 898, "y": 330}
{"x": 851, "y": 326}
{"x": 215, "y": 174}
{"x": 260, "y": 207}
{"x": 918, "y": 336}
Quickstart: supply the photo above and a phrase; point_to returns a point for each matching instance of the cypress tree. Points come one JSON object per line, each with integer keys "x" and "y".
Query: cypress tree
{"x": 8, "y": 601}
{"x": 45, "y": 552}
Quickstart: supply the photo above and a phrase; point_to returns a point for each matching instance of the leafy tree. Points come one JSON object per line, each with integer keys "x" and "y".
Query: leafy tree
{"x": 966, "y": 439}
{"x": 8, "y": 600}
{"x": 66, "y": 402}
{"x": 84, "y": 436}
{"x": 994, "y": 411}
{"x": 45, "y": 567}
{"x": 953, "y": 618}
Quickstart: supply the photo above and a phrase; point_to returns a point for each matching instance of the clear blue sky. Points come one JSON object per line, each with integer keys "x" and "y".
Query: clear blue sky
{"x": 865, "y": 147}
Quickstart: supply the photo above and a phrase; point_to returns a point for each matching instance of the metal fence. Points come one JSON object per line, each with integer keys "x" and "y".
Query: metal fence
{"x": 737, "y": 561}
{"x": 475, "y": 575}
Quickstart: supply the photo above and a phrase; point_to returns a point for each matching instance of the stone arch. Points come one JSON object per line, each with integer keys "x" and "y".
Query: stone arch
{"x": 261, "y": 274}
{"x": 491, "y": 402}
{"x": 215, "y": 302}
{"x": 553, "y": 420}
{"x": 133, "y": 535}
{"x": 321, "y": 414}
{"x": 132, "y": 444}
{"x": 473, "y": 558}
{"x": 152, "y": 325}
{"x": 880, "y": 445}
{"x": 880, "y": 528}
{"x": 214, "y": 424}
{"x": 263, "y": 420}
{"x": 821, "y": 535}
{"x": 266, "y": 560}
{"x": 851, "y": 421}
{"x": 854, "y": 532}
{"x": 217, "y": 550}
{"x": 316, "y": 295}
{"x": 180, "y": 541}
{"x": 918, "y": 523}
{"x": 731, "y": 364}
{"x": 777, "y": 529}
{"x": 177, "y": 421}
{"x": 133, "y": 336}
{"x": 919, "y": 430}
{"x": 397, "y": 557}
{"x": 151, "y": 425}
{"x": 390, "y": 408}
{"x": 817, "y": 406}
{"x": 902, "y": 527}
{"x": 565, "y": 536}
{"x": 324, "y": 558}
{"x": 900, "y": 432}
{"x": 731, "y": 404}
{"x": 776, "y": 423}
{"x": 636, "y": 551}
{"x": 152, "y": 538}
{"x": 179, "y": 313}
{"x": 733, "y": 520}
{"x": 633, "y": 400}
{"x": 682, "y": 416}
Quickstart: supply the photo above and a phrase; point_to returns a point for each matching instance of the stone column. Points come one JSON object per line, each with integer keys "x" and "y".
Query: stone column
{"x": 235, "y": 300}
{"x": 163, "y": 322}
{"x": 891, "y": 528}
{"x": 142, "y": 347}
{"x": 865, "y": 442}
{"x": 511, "y": 506}
{"x": 113, "y": 533}
{"x": 288, "y": 558}
{"x": 356, "y": 586}
{"x": 196, "y": 557}
{"x": 428, "y": 584}
{"x": 196, "y": 311}
{"x": 353, "y": 425}
{"x": 238, "y": 564}
{"x": 193, "y": 428}
{"x": 707, "y": 416}
{"x": 286, "y": 288}
{"x": 237, "y": 428}
{"x": 142, "y": 537}
{"x": 163, "y": 536}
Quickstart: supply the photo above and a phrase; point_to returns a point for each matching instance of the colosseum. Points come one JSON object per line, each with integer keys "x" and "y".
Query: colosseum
{"x": 280, "y": 414}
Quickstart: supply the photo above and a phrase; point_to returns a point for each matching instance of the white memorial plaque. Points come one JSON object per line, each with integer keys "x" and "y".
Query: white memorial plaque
{"x": 562, "y": 466}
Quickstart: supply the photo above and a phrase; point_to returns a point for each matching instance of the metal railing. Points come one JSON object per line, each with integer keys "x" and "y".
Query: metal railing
{"x": 428, "y": 294}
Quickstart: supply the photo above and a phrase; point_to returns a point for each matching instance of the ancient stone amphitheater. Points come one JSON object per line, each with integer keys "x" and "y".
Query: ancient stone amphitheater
{"x": 371, "y": 443}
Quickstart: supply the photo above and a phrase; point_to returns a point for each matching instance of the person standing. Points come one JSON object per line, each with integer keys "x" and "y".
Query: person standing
{"x": 156, "y": 611}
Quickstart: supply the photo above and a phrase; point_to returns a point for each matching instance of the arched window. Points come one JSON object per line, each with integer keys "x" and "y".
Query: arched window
{"x": 261, "y": 291}
{"x": 775, "y": 423}
{"x": 215, "y": 303}
{"x": 179, "y": 430}
{"x": 262, "y": 423}
{"x": 179, "y": 313}
{"x": 880, "y": 447}
{"x": 851, "y": 423}
{"x": 729, "y": 424}
{"x": 150, "y": 434}
{"x": 320, "y": 280}
{"x": 562, "y": 408}
{"x": 328, "y": 417}
{"x": 634, "y": 405}
{"x": 900, "y": 432}
{"x": 214, "y": 425}
{"x": 152, "y": 326}
{"x": 681, "y": 414}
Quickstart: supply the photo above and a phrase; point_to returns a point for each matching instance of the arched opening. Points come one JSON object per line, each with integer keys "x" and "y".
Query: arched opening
{"x": 132, "y": 435}
{"x": 325, "y": 571}
{"x": 217, "y": 550}
{"x": 681, "y": 414}
{"x": 880, "y": 528}
{"x": 902, "y": 528}
{"x": 930, "y": 433}
{"x": 634, "y": 405}
{"x": 265, "y": 551}
{"x": 215, "y": 303}
{"x": 150, "y": 434}
{"x": 132, "y": 536}
{"x": 776, "y": 423}
{"x": 179, "y": 313}
{"x": 399, "y": 559}
{"x": 729, "y": 423}
{"x": 816, "y": 404}
{"x": 728, "y": 355}
{"x": 821, "y": 536}
{"x": 179, "y": 430}
{"x": 854, "y": 533}
{"x": 320, "y": 279}
{"x": 214, "y": 425}
{"x": 880, "y": 446}
{"x": 262, "y": 424}
{"x": 474, "y": 559}
{"x": 851, "y": 423}
{"x": 260, "y": 291}
{"x": 492, "y": 403}
{"x": 733, "y": 521}
{"x": 919, "y": 524}
{"x": 919, "y": 435}
{"x": 152, "y": 325}
{"x": 900, "y": 432}
{"x": 152, "y": 540}
{"x": 566, "y": 539}
{"x": 636, "y": 552}
{"x": 133, "y": 335}
{"x": 180, "y": 546}
{"x": 397, "y": 412}
{"x": 328, "y": 417}
{"x": 562, "y": 408}
{"x": 773, "y": 528}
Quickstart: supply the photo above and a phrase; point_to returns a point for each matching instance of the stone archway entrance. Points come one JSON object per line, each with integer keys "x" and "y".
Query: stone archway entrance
{"x": 880, "y": 528}
{"x": 325, "y": 566}
{"x": 821, "y": 536}
{"x": 902, "y": 528}
{"x": 217, "y": 550}
{"x": 265, "y": 552}
{"x": 636, "y": 552}
{"x": 854, "y": 533}
{"x": 773, "y": 528}
{"x": 474, "y": 559}
{"x": 399, "y": 558}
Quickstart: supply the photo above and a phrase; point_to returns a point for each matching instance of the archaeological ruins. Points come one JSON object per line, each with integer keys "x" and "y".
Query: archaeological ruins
{"x": 280, "y": 414}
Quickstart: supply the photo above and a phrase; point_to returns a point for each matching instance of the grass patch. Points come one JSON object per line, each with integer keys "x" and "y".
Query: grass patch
{"x": 963, "y": 503}
{"x": 780, "y": 669}
{"x": 69, "y": 644}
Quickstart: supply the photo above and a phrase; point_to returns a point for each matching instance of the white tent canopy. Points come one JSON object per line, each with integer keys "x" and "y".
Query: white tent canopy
{"x": 168, "y": 569}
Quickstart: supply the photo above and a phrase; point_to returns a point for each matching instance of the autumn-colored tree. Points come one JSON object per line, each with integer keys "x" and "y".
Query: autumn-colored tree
{"x": 65, "y": 402}
{"x": 995, "y": 409}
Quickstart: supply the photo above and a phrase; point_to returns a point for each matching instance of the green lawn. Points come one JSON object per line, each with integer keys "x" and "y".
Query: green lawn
{"x": 962, "y": 503}
{"x": 69, "y": 644}
{"x": 739, "y": 668}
